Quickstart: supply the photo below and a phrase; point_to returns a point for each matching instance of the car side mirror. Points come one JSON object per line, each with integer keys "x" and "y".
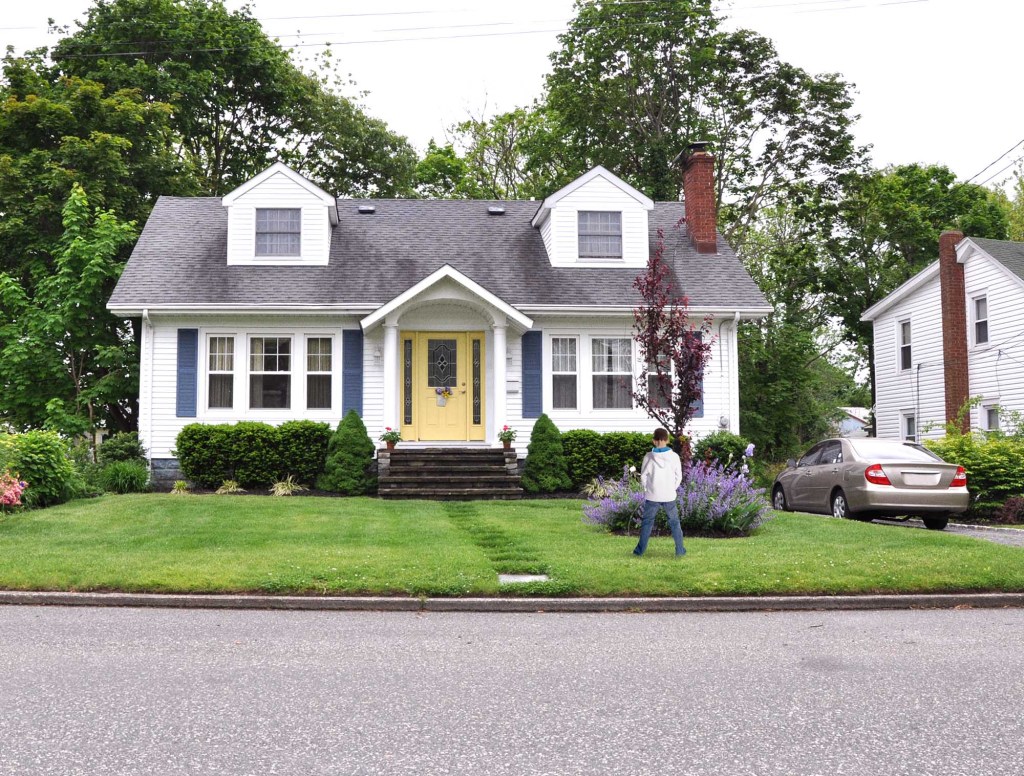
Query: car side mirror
{"x": 791, "y": 463}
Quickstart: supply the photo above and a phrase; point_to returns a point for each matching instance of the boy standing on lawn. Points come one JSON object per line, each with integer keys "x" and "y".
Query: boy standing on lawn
{"x": 660, "y": 474}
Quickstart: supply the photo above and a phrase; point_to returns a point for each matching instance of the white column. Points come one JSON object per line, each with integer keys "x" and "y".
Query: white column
{"x": 498, "y": 380}
{"x": 391, "y": 375}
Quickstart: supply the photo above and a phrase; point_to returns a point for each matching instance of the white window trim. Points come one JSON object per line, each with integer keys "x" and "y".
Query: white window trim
{"x": 550, "y": 377}
{"x": 257, "y": 256}
{"x": 601, "y": 260}
{"x": 900, "y": 345}
{"x": 241, "y": 410}
{"x": 208, "y": 372}
{"x": 973, "y": 316}
{"x": 306, "y": 373}
{"x": 983, "y": 412}
{"x": 591, "y": 374}
{"x": 906, "y": 415}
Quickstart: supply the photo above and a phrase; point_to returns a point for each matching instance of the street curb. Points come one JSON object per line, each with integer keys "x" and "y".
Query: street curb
{"x": 520, "y": 605}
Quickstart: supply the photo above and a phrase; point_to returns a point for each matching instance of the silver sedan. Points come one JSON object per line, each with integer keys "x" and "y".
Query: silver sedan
{"x": 867, "y": 478}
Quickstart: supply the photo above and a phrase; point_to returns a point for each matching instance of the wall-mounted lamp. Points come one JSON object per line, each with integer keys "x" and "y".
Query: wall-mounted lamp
{"x": 723, "y": 421}
{"x": 378, "y": 354}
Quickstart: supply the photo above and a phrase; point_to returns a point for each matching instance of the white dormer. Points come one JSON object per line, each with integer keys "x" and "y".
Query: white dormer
{"x": 279, "y": 218}
{"x": 598, "y": 220}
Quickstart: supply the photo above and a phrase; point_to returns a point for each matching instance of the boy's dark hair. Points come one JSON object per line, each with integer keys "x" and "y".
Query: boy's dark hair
{"x": 661, "y": 434}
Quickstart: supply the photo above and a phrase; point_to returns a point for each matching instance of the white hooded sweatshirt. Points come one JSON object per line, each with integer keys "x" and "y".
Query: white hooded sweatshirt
{"x": 661, "y": 474}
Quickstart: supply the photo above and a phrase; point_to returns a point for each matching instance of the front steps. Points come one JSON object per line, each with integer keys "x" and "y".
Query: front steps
{"x": 447, "y": 473}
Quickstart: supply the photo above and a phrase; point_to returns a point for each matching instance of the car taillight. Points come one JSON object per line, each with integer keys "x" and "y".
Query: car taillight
{"x": 875, "y": 475}
{"x": 959, "y": 479}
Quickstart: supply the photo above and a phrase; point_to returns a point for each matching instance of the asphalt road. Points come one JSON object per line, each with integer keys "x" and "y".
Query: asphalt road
{"x": 135, "y": 691}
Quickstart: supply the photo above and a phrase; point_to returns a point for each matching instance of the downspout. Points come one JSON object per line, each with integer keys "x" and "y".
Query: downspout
{"x": 728, "y": 374}
{"x": 147, "y": 343}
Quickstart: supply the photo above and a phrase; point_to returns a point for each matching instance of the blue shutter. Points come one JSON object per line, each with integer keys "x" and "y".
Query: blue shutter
{"x": 533, "y": 375}
{"x": 188, "y": 368}
{"x": 352, "y": 372}
{"x": 698, "y": 406}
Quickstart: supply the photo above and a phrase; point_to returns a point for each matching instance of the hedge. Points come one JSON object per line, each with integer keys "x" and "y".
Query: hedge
{"x": 994, "y": 466}
{"x": 256, "y": 455}
{"x": 589, "y": 454}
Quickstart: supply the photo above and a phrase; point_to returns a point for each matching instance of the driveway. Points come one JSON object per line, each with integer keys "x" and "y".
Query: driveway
{"x": 1011, "y": 536}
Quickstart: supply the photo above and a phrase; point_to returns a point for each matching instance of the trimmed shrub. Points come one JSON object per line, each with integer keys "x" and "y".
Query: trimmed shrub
{"x": 125, "y": 477}
{"x": 721, "y": 447}
{"x": 349, "y": 456}
{"x": 303, "y": 446}
{"x": 256, "y": 454}
{"x": 204, "y": 454}
{"x": 589, "y": 454}
{"x": 121, "y": 447}
{"x": 545, "y": 470}
{"x": 1011, "y": 512}
{"x": 43, "y": 460}
{"x": 994, "y": 466}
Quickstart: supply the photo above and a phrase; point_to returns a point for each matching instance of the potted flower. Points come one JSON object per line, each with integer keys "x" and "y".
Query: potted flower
{"x": 391, "y": 437}
{"x": 507, "y": 435}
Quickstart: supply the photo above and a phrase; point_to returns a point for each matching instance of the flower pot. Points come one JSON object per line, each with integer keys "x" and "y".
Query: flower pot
{"x": 507, "y": 444}
{"x": 391, "y": 445}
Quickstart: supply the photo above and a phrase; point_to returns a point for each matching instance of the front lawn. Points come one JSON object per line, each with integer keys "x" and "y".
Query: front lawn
{"x": 164, "y": 543}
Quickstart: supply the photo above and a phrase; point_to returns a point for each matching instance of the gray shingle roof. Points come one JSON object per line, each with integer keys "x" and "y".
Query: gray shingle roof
{"x": 1009, "y": 254}
{"x": 180, "y": 259}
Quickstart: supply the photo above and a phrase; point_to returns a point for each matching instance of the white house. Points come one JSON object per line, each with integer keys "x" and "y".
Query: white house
{"x": 951, "y": 333}
{"x": 279, "y": 301}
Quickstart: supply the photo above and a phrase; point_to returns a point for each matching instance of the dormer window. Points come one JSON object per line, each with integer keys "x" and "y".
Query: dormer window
{"x": 278, "y": 232}
{"x": 600, "y": 234}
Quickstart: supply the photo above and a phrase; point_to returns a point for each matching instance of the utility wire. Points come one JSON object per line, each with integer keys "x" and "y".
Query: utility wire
{"x": 996, "y": 160}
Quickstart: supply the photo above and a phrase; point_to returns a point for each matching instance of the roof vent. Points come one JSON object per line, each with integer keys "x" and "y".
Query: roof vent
{"x": 495, "y": 210}
{"x": 369, "y": 209}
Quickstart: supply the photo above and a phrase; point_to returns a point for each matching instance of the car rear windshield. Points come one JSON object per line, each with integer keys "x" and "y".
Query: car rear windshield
{"x": 885, "y": 450}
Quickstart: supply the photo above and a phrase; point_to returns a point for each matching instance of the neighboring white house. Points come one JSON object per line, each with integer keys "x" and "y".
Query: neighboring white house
{"x": 280, "y": 302}
{"x": 953, "y": 332}
{"x": 853, "y": 423}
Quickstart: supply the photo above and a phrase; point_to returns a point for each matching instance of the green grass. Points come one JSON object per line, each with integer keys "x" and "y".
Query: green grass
{"x": 164, "y": 543}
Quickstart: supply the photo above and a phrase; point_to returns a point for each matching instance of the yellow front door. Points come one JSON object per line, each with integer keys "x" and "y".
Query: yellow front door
{"x": 442, "y": 386}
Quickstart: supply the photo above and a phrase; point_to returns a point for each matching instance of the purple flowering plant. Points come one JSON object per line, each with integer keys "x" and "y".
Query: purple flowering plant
{"x": 713, "y": 498}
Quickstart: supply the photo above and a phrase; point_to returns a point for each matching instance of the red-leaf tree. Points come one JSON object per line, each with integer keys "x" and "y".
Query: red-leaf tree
{"x": 674, "y": 352}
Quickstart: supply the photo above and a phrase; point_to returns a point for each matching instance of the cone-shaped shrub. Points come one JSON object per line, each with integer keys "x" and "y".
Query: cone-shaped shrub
{"x": 349, "y": 455}
{"x": 546, "y": 470}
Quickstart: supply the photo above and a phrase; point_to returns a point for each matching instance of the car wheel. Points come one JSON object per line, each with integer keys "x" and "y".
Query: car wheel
{"x": 839, "y": 506}
{"x": 936, "y": 523}
{"x": 779, "y": 500}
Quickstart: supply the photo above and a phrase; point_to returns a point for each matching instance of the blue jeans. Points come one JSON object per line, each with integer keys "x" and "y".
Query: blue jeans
{"x": 650, "y": 512}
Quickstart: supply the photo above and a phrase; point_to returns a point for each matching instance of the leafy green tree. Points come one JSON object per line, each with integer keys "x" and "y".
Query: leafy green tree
{"x": 240, "y": 103}
{"x": 885, "y": 228}
{"x": 634, "y": 83}
{"x": 443, "y": 174}
{"x": 63, "y": 356}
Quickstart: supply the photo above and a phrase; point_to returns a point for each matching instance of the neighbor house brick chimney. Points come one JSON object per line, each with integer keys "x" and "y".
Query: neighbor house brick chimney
{"x": 699, "y": 196}
{"x": 954, "y": 326}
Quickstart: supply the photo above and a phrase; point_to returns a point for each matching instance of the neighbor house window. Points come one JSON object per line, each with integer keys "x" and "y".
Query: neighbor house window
{"x": 980, "y": 320}
{"x": 221, "y": 388}
{"x": 278, "y": 231}
{"x": 910, "y": 427}
{"x": 905, "y": 354}
{"x": 563, "y": 373}
{"x": 270, "y": 368}
{"x": 990, "y": 418}
{"x": 318, "y": 373}
{"x": 611, "y": 367}
{"x": 600, "y": 234}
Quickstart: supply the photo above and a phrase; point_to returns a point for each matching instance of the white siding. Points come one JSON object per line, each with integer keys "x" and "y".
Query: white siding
{"x": 158, "y": 423}
{"x": 997, "y": 367}
{"x": 278, "y": 191}
{"x": 721, "y": 382}
{"x": 921, "y": 389}
{"x": 562, "y": 225}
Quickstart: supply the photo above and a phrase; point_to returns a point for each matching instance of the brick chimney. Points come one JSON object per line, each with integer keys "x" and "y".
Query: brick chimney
{"x": 954, "y": 326}
{"x": 699, "y": 196}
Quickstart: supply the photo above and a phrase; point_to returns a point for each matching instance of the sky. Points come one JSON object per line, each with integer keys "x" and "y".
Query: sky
{"x": 933, "y": 78}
